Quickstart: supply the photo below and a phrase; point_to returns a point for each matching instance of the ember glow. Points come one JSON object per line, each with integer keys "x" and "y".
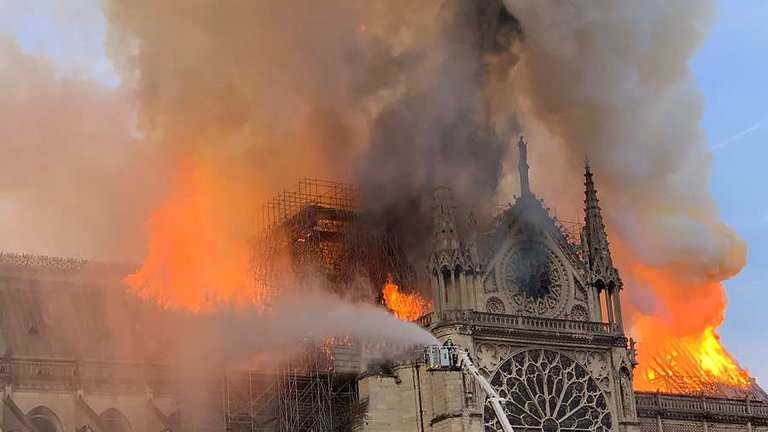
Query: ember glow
{"x": 407, "y": 307}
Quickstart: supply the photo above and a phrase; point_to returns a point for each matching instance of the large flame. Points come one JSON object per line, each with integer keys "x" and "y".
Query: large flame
{"x": 407, "y": 307}
{"x": 679, "y": 350}
{"x": 691, "y": 365}
{"x": 192, "y": 264}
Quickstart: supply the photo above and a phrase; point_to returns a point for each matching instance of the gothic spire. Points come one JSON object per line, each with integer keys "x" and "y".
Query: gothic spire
{"x": 598, "y": 255}
{"x": 522, "y": 167}
{"x": 444, "y": 236}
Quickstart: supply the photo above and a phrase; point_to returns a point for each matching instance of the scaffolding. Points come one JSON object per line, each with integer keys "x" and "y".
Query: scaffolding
{"x": 307, "y": 192}
{"x": 313, "y": 395}
{"x": 315, "y": 228}
{"x": 251, "y": 401}
{"x": 312, "y": 392}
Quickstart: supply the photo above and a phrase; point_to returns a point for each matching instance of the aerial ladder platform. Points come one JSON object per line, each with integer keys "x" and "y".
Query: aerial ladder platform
{"x": 454, "y": 358}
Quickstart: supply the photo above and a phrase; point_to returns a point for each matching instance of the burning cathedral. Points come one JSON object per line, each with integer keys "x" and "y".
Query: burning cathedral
{"x": 526, "y": 319}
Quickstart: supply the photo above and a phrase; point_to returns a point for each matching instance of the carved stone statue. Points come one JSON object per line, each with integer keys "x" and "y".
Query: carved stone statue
{"x": 627, "y": 396}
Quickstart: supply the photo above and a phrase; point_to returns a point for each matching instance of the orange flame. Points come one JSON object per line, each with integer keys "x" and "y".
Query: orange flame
{"x": 191, "y": 264}
{"x": 679, "y": 349}
{"x": 407, "y": 307}
{"x": 691, "y": 365}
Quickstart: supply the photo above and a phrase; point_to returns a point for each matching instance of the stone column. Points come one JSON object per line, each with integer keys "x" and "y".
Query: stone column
{"x": 437, "y": 294}
{"x": 442, "y": 289}
{"x": 472, "y": 291}
{"x": 659, "y": 423}
{"x": 463, "y": 290}
{"x": 594, "y": 305}
{"x": 617, "y": 307}
{"x": 609, "y": 306}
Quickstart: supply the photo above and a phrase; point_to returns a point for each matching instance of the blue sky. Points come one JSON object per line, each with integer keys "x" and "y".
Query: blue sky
{"x": 71, "y": 33}
{"x": 732, "y": 69}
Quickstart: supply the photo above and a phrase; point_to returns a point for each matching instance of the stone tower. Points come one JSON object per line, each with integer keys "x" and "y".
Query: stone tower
{"x": 535, "y": 322}
{"x": 602, "y": 276}
{"x": 452, "y": 263}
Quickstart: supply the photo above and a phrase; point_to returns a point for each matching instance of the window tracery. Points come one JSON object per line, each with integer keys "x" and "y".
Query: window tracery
{"x": 495, "y": 305}
{"x": 548, "y": 391}
{"x": 533, "y": 278}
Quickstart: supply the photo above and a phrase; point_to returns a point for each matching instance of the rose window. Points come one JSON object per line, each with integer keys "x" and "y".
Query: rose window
{"x": 495, "y": 305}
{"x": 548, "y": 391}
{"x": 533, "y": 279}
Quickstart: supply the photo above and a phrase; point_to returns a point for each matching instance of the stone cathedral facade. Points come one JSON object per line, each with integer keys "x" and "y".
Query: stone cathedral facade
{"x": 577, "y": 373}
{"x": 542, "y": 319}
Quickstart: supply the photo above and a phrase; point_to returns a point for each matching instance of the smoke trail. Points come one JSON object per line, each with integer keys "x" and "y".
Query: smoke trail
{"x": 316, "y": 315}
{"x": 618, "y": 89}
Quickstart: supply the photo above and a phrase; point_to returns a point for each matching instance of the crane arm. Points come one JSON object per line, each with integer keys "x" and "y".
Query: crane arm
{"x": 493, "y": 396}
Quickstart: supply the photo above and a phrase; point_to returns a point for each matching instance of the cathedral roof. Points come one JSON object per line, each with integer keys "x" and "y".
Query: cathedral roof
{"x": 69, "y": 308}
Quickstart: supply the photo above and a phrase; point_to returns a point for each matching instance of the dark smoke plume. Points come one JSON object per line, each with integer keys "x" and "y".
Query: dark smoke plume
{"x": 249, "y": 96}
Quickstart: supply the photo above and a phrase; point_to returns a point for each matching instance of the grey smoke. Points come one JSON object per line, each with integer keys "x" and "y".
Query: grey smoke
{"x": 387, "y": 94}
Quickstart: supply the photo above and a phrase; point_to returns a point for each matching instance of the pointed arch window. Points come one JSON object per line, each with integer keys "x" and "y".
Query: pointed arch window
{"x": 446, "y": 273}
{"x": 114, "y": 421}
{"x": 44, "y": 420}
